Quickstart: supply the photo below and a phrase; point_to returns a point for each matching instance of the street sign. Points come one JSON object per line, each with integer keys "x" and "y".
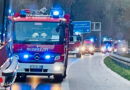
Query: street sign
{"x": 82, "y": 26}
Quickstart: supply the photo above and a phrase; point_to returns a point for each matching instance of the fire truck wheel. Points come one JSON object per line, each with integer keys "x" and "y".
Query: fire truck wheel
{"x": 21, "y": 77}
{"x": 78, "y": 55}
{"x": 64, "y": 76}
{"x": 92, "y": 53}
{"x": 58, "y": 78}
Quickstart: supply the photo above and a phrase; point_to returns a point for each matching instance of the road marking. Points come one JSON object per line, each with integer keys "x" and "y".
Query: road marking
{"x": 65, "y": 83}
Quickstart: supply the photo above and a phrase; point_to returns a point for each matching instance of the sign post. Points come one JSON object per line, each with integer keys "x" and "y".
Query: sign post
{"x": 97, "y": 28}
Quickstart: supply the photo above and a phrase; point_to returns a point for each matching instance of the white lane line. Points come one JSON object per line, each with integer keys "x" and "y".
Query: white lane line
{"x": 65, "y": 83}
{"x": 114, "y": 73}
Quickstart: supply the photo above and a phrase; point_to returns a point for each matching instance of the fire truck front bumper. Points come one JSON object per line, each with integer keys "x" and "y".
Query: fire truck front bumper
{"x": 41, "y": 69}
{"x": 8, "y": 75}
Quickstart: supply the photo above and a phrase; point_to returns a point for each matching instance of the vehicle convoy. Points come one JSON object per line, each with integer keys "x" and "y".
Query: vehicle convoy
{"x": 107, "y": 46}
{"x": 74, "y": 45}
{"x": 120, "y": 47}
{"x": 41, "y": 43}
{"x": 8, "y": 63}
{"x": 87, "y": 47}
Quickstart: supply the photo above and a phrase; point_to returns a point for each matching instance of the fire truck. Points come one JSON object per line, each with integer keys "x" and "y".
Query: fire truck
{"x": 88, "y": 47}
{"x": 41, "y": 43}
{"x": 8, "y": 63}
{"x": 107, "y": 46}
{"x": 74, "y": 45}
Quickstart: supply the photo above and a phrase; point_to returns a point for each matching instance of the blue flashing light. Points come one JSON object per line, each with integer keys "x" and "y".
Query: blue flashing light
{"x": 57, "y": 13}
{"x": 23, "y": 13}
{"x": 10, "y": 11}
{"x": 47, "y": 56}
{"x": 104, "y": 39}
{"x": 25, "y": 56}
{"x": 91, "y": 39}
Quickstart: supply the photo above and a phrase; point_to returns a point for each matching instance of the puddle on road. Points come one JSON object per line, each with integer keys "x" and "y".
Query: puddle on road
{"x": 36, "y": 83}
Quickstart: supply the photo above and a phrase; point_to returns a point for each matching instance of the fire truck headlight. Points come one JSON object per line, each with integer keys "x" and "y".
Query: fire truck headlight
{"x": 83, "y": 48}
{"x": 91, "y": 49}
{"x": 58, "y": 67}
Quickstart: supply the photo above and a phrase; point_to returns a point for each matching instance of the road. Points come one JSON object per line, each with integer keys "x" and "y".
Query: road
{"x": 87, "y": 73}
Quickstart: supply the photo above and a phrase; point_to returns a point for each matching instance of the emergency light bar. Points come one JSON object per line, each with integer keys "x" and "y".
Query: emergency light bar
{"x": 57, "y": 13}
{"x": 23, "y": 13}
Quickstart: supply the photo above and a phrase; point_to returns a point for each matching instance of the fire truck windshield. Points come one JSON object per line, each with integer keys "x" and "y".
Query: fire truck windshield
{"x": 38, "y": 33}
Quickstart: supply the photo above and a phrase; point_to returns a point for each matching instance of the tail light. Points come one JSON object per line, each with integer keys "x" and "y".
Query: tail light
{"x": 1, "y": 80}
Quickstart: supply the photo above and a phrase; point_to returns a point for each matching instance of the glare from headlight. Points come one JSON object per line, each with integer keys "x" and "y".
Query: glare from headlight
{"x": 115, "y": 50}
{"x": 103, "y": 49}
{"x": 124, "y": 49}
{"x": 110, "y": 49}
{"x": 58, "y": 67}
{"x": 77, "y": 49}
{"x": 91, "y": 49}
{"x": 82, "y": 48}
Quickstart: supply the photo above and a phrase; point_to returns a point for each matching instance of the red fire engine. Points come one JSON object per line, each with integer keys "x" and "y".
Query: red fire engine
{"x": 41, "y": 43}
{"x": 88, "y": 47}
{"x": 74, "y": 45}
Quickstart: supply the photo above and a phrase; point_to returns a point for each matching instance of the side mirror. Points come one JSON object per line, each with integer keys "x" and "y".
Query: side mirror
{"x": 71, "y": 39}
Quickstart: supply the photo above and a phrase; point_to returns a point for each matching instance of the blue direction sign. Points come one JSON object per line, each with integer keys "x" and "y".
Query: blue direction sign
{"x": 82, "y": 26}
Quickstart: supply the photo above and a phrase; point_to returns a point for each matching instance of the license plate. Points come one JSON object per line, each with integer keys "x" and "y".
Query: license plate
{"x": 36, "y": 67}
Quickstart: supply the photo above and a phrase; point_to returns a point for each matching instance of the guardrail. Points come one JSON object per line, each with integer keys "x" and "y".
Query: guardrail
{"x": 120, "y": 59}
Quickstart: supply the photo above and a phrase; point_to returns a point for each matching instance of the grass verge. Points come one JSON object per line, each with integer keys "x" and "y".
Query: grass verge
{"x": 116, "y": 68}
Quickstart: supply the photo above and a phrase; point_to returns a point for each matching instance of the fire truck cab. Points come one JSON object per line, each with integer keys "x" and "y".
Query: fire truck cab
{"x": 41, "y": 44}
{"x": 107, "y": 46}
{"x": 88, "y": 47}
